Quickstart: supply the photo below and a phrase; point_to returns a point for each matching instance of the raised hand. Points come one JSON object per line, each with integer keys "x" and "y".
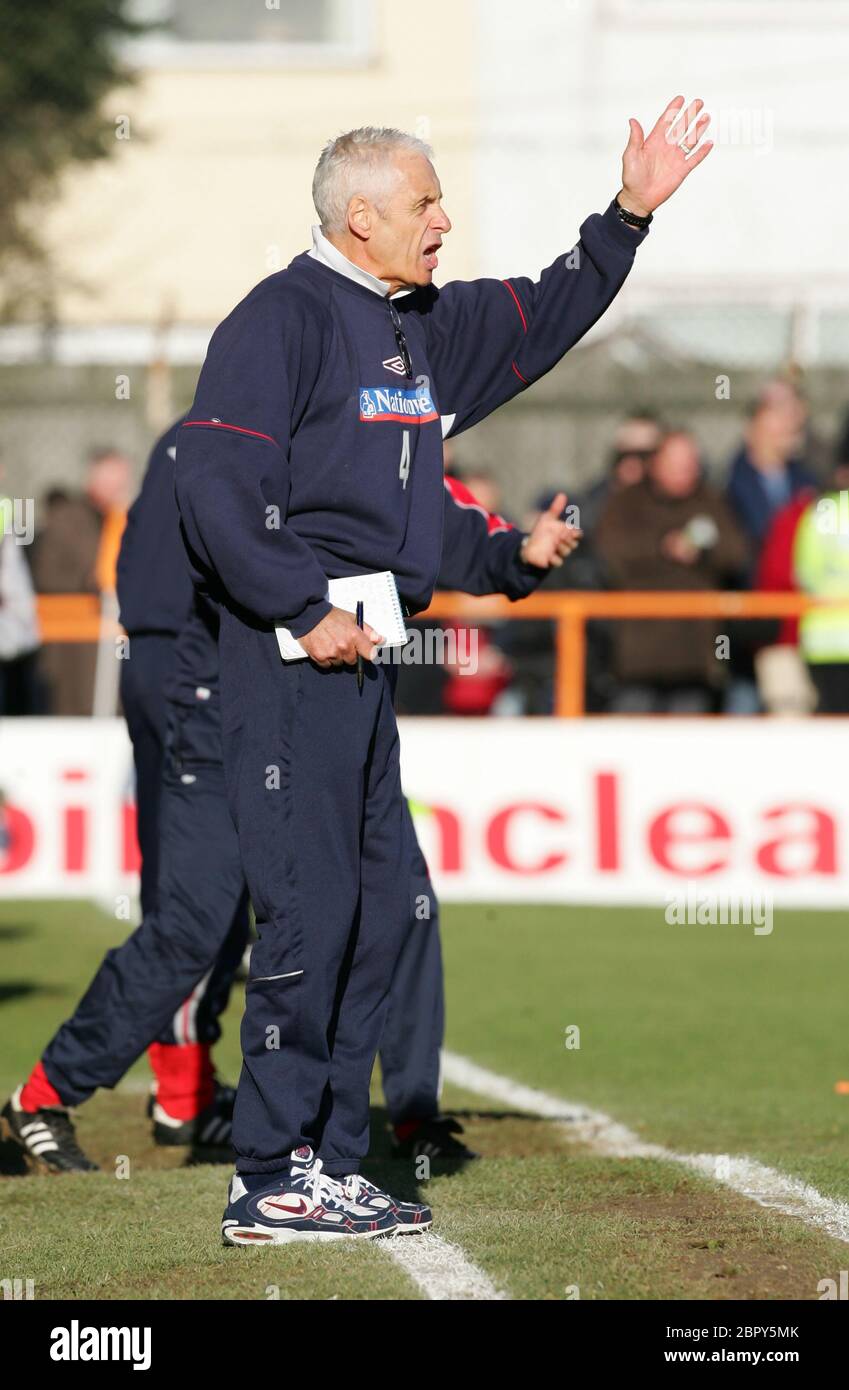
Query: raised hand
{"x": 653, "y": 167}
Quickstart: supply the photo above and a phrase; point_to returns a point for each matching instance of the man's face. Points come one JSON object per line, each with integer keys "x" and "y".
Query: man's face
{"x": 675, "y": 467}
{"x": 403, "y": 242}
{"x": 776, "y": 428}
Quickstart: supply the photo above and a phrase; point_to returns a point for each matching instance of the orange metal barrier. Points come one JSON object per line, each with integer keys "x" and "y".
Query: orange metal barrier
{"x": 571, "y": 610}
{"x": 76, "y": 618}
{"x": 69, "y": 617}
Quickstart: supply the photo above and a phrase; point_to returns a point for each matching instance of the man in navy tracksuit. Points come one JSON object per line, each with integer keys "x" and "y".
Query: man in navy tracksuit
{"x": 328, "y": 869}
{"x": 155, "y": 596}
{"x": 195, "y": 919}
{"x": 313, "y": 451}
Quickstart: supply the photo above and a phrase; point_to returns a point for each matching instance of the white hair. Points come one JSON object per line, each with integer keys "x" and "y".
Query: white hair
{"x": 360, "y": 161}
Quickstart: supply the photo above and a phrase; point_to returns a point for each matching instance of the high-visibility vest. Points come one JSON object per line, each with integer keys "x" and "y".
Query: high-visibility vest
{"x": 821, "y": 568}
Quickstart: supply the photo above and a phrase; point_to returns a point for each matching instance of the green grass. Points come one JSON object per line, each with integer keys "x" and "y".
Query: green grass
{"x": 704, "y": 1039}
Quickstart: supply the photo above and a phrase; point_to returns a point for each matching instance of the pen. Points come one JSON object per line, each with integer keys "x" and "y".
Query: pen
{"x": 359, "y": 655}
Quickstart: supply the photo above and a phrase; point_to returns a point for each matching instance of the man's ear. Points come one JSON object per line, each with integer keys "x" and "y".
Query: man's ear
{"x": 359, "y": 218}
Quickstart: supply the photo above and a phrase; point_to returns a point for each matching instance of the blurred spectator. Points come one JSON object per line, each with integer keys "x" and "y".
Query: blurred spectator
{"x": 75, "y": 552}
{"x": 474, "y": 693}
{"x": 530, "y": 643}
{"x": 807, "y": 550}
{"x": 670, "y": 531}
{"x": 782, "y": 681}
{"x": 19, "y": 635}
{"x": 768, "y": 471}
{"x": 636, "y": 440}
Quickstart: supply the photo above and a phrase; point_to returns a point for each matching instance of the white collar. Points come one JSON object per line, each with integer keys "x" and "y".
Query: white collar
{"x": 330, "y": 255}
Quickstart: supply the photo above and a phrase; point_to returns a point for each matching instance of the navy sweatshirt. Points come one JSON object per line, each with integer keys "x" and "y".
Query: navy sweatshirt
{"x": 155, "y": 588}
{"x": 154, "y": 583}
{"x": 306, "y": 456}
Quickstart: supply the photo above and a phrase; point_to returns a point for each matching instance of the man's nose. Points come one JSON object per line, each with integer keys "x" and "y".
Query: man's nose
{"x": 442, "y": 222}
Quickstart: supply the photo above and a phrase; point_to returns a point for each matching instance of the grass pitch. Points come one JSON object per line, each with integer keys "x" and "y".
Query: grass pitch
{"x": 704, "y": 1039}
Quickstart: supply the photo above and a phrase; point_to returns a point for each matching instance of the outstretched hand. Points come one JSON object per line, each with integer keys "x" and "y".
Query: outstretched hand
{"x": 654, "y": 166}
{"x": 551, "y": 539}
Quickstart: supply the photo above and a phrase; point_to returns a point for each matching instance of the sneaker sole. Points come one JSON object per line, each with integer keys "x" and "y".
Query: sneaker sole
{"x": 405, "y": 1229}
{"x": 257, "y": 1235}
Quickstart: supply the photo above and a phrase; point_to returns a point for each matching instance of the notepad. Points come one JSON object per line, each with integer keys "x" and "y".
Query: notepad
{"x": 382, "y": 610}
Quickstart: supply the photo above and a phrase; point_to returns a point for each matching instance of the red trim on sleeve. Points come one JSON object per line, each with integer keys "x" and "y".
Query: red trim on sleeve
{"x": 518, "y": 305}
{"x": 237, "y": 429}
{"x": 464, "y": 497}
{"x": 523, "y": 379}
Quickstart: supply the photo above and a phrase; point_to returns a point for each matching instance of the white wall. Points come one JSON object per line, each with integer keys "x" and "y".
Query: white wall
{"x": 559, "y": 80}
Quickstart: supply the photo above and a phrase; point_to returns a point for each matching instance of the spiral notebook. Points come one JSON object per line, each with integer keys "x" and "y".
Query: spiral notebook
{"x": 378, "y": 593}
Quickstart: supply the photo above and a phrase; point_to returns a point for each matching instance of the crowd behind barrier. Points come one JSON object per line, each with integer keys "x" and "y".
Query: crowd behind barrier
{"x": 659, "y": 522}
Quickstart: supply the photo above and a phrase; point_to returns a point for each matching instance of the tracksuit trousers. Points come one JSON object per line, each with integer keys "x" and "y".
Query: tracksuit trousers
{"x": 313, "y": 775}
{"x": 202, "y": 911}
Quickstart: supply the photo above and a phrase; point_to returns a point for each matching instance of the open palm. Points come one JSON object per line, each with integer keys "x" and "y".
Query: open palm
{"x": 653, "y": 167}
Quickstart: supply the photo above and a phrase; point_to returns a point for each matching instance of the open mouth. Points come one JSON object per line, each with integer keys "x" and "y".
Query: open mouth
{"x": 429, "y": 255}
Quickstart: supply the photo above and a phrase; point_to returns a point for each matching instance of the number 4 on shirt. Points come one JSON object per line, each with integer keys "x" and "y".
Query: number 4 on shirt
{"x": 404, "y": 466}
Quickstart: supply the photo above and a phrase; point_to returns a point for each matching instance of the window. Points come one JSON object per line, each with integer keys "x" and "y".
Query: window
{"x": 263, "y": 33}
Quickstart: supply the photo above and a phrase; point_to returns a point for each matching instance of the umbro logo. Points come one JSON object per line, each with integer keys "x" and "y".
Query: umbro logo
{"x": 394, "y": 364}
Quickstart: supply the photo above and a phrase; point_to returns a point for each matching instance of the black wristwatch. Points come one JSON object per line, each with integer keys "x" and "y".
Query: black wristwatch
{"x": 631, "y": 219}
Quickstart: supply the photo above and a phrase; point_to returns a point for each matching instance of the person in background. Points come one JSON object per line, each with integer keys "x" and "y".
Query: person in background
{"x": 782, "y": 681}
{"x": 767, "y": 472}
{"x": 670, "y": 531}
{"x": 19, "y": 632}
{"x": 189, "y": 1103}
{"x": 530, "y": 645}
{"x": 820, "y": 566}
{"x": 635, "y": 441}
{"x": 769, "y": 469}
{"x": 75, "y": 552}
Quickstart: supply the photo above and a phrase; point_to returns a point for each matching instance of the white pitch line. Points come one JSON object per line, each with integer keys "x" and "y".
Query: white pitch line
{"x": 441, "y": 1270}
{"x": 608, "y": 1138}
